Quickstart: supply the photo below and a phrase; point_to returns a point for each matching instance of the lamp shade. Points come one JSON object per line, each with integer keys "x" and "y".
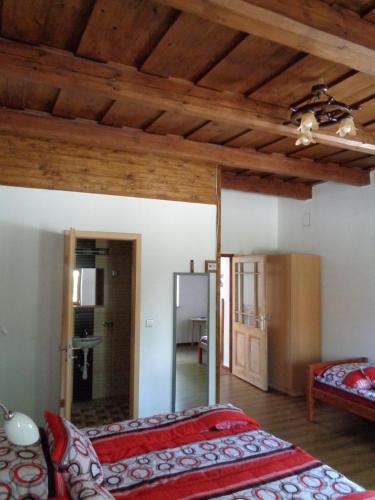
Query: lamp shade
{"x": 21, "y": 430}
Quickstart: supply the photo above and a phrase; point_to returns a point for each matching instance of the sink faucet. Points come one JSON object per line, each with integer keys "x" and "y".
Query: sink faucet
{"x": 85, "y": 333}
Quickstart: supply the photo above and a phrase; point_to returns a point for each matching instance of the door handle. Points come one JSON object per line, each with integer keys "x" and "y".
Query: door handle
{"x": 263, "y": 321}
{"x": 69, "y": 352}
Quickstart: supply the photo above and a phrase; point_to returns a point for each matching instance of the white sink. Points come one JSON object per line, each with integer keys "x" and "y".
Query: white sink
{"x": 86, "y": 342}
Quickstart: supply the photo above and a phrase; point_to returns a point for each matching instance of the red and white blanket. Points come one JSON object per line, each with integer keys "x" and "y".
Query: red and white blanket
{"x": 209, "y": 452}
{"x": 354, "y": 378}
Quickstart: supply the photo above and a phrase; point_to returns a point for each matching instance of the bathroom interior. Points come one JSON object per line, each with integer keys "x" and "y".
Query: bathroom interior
{"x": 102, "y": 289}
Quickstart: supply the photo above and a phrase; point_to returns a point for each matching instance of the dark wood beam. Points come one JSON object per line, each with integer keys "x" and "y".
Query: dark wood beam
{"x": 43, "y": 126}
{"x": 114, "y": 81}
{"x": 274, "y": 187}
{"x": 314, "y": 27}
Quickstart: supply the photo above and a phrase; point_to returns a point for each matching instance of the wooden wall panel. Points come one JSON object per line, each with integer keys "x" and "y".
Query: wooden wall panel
{"x": 52, "y": 165}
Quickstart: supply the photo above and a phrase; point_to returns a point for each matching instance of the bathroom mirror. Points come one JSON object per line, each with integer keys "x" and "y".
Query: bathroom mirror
{"x": 190, "y": 340}
{"x": 88, "y": 287}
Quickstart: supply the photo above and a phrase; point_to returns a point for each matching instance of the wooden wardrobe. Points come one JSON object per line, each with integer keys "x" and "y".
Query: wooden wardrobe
{"x": 293, "y": 310}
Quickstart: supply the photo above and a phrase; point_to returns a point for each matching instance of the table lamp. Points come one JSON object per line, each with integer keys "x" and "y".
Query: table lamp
{"x": 20, "y": 429}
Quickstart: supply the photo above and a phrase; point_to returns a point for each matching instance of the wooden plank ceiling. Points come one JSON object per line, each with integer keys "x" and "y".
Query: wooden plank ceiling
{"x": 164, "y": 71}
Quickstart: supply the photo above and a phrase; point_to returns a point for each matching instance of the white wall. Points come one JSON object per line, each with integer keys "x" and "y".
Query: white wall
{"x": 31, "y": 266}
{"x": 342, "y": 231}
{"x": 248, "y": 222}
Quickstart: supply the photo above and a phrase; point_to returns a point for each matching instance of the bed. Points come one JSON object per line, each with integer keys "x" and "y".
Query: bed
{"x": 206, "y": 452}
{"x": 348, "y": 384}
{"x": 202, "y": 347}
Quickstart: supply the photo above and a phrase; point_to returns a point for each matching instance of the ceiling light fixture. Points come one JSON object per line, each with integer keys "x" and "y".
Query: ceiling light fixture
{"x": 320, "y": 113}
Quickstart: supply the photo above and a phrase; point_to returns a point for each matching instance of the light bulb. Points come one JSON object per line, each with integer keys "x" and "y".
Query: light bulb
{"x": 347, "y": 126}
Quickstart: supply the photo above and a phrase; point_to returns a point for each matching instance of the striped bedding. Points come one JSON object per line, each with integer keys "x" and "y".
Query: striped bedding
{"x": 210, "y": 452}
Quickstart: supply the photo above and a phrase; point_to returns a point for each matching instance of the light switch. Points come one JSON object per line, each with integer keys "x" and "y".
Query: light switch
{"x": 306, "y": 219}
{"x": 149, "y": 323}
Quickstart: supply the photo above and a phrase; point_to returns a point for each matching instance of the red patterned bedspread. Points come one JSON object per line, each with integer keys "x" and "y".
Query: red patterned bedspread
{"x": 209, "y": 452}
{"x": 23, "y": 471}
{"x": 339, "y": 377}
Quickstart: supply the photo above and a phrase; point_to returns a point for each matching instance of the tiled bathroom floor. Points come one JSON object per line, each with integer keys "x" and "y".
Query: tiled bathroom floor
{"x": 100, "y": 411}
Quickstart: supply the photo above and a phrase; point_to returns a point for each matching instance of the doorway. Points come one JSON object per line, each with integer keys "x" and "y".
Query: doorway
{"x": 225, "y": 314}
{"x": 100, "y": 334}
{"x": 190, "y": 340}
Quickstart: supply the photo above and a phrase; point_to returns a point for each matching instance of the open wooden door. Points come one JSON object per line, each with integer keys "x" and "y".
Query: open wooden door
{"x": 66, "y": 347}
{"x": 249, "y": 325}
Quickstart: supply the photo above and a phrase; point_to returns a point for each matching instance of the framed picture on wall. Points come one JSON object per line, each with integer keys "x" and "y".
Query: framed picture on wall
{"x": 210, "y": 266}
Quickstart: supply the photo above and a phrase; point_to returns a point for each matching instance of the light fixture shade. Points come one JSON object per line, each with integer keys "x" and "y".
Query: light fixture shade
{"x": 21, "y": 430}
{"x": 308, "y": 122}
{"x": 305, "y": 139}
{"x": 347, "y": 126}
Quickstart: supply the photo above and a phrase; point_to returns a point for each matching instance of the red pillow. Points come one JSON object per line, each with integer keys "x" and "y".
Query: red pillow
{"x": 370, "y": 373}
{"x": 71, "y": 451}
{"x": 358, "y": 380}
{"x": 57, "y": 437}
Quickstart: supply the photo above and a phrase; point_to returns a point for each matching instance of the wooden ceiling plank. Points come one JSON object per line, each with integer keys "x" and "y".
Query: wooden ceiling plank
{"x": 342, "y": 157}
{"x": 24, "y": 21}
{"x": 357, "y": 88}
{"x": 315, "y": 152}
{"x": 235, "y": 72}
{"x": 66, "y": 22}
{"x": 216, "y": 133}
{"x": 312, "y": 27}
{"x": 253, "y": 139}
{"x": 355, "y": 5}
{"x": 49, "y": 22}
{"x": 274, "y": 187}
{"x": 115, "y": 82}
{"x": 366, "y": 162}
{"x": 90, "y": 134}
{"x": 190, "y": 48}
{"x": 21, "y": 94}
{"x": 127, "y": 113}
{"x": 370, "y": 16}
{"x": 294, "y": 84}
{"x": 284, "y": 146}
{"x": 124, "y": 31}
{"x": 175, "y": 123}
{"x": 81, "y": 105}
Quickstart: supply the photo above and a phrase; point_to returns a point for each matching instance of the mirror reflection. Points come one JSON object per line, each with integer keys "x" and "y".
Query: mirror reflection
{"x": 191, "y": 313}
{"x": 88, "y": 287}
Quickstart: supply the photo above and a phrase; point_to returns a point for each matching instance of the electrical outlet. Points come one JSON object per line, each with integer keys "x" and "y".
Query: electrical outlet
{"x": 149, "y": 323}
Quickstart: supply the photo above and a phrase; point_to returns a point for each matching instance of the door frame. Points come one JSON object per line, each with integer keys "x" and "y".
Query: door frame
{"x": 66, "y": 373}
{"x": 230, "y": 256}
{"x": 174, "y": 367}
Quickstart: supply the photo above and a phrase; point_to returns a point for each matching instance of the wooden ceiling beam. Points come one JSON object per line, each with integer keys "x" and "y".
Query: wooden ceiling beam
{"x": 43, "y": 126}
{"x": 274, "y": 187}
{"x": 313, "y": 27}
{"x": 114, "y": 81}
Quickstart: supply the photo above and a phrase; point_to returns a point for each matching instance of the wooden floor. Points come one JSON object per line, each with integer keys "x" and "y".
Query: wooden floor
{"x": 191, "y": 378}
{"x": 343, "y": 441}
